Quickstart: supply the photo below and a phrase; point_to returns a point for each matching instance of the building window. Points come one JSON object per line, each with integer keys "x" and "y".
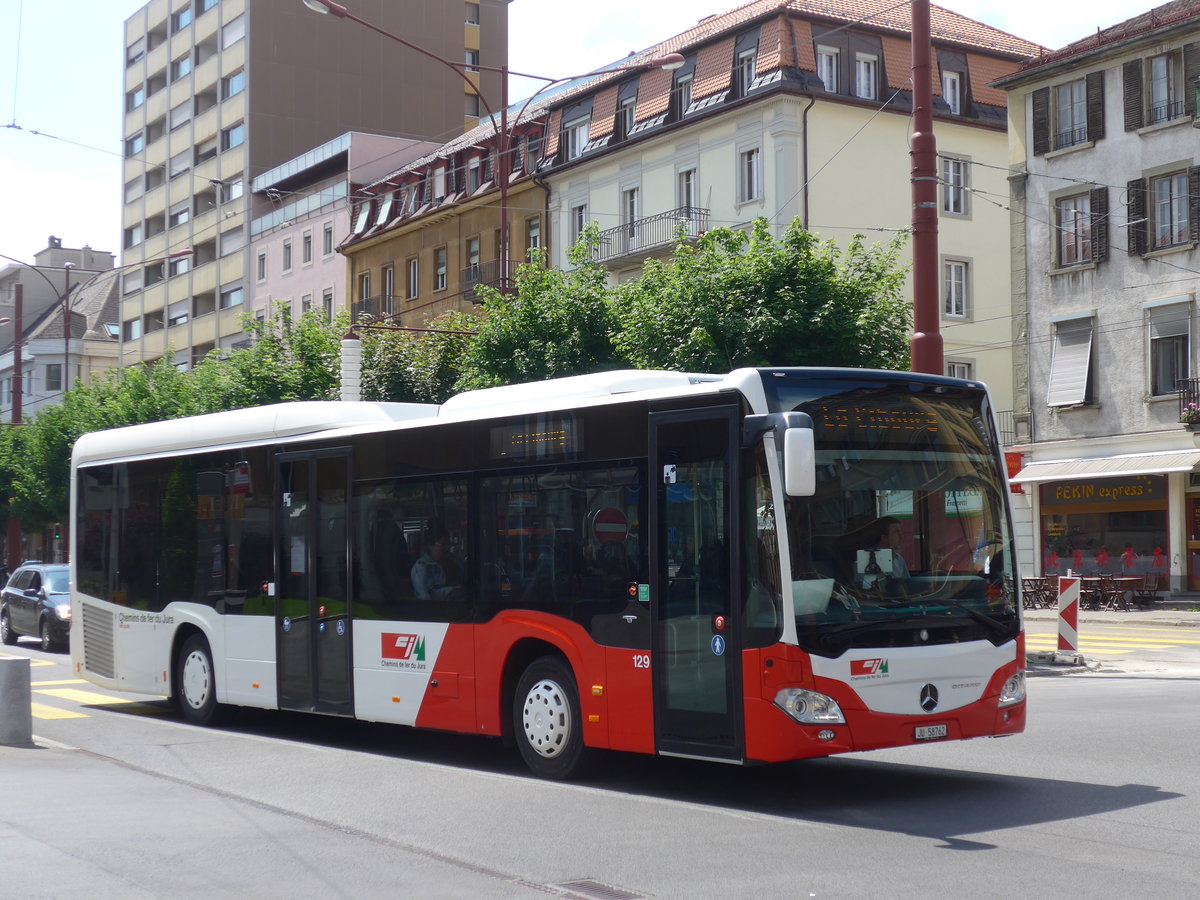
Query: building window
{"x": 180, "y": 163}
{"x": 412, "y": 287}
{"x": 232, "y": 240}
{"x": 578, "y": 221}
{"x": 681, "y": 94}
{"x": 472, "y": 13}
{"x": 179, "y": 213}
{"x": 135, "y": 98}
{"x": 133, "y": 235}
{"x": 181, "y": 67}
{"x": 327, "y": 303}
{"x": 389, "y": 287}
{"x": 206, "y": 150}
{"x": 575, "y": 137}
{"x": 533, "y": 149}
{"x": 687, "y": 195}
{"x": 178, "y": 266}
{"x": 306, "y": 247}
{"x": 134, "y": 189}
{"x": 471, "y": 105}
{"x": 154, "y": 177}
{"x": 954, "y": 186}
{"x": 1070, "y": 114}
{"x": 135, "y": 51}
{"x": 231, "y": 296}
{"x": 287, "y": 255}
{"x": 956, "y": 286}
{"x": 439, "y": 182}
{"x": 180, "y": 115}
{"x": 233, "y": 32}
{"x": 305, "y": 303}
{"x": 233, "y": 84}
{"x": 231, "y": 189}
{"x": 828, "y": 66}
{"x": 1170, "y": 327}
{"x": 177, "y": 313}
{"x": 1165, "y": 76}
{"x": 866, "y": 76}
{"x": 132, "y": 329}
{"x": 959, "y": 370}
{"x": 439, "y": 269}
{"x": 364, "y": 286}
{"x": 630, "y": 202}
{"x": 135, "y": 144}
{"x": 203, "y": 6}
{"x": 327, "y": 239}
{"x": 1169, "y": 196}
{"x": 745, "y": 70}
{"x": 181, "y": 19}
{"x": 749, "y": 175}
{"x": 54, "y": 377}
{"x": 533, "y": 234}
{"x": 233, "y": 136}
{"x": 952, "y": 91}
{"x": 1071, "y": 363}
{"x": 473, "y": 181}
{"x": 626, "y": 117}
{"x": 471, "y": 61}
{"x": 1074, "y": 223}
{"x": 260, "y": 271}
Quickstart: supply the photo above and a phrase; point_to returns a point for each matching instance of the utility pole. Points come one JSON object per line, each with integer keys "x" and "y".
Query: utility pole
{"x": 926, "y": 344}
{"x": 13, "y": 548}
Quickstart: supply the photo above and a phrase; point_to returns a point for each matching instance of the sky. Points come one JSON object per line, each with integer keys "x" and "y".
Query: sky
{"x": 61, "y": 65}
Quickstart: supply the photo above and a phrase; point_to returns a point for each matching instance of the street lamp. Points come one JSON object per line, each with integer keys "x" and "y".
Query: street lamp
{"x": 670, "y": 61}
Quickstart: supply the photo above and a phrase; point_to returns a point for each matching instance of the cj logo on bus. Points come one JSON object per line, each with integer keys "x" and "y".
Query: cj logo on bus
{"x": 868, "y": 668}
{"x": 402, "y": 651}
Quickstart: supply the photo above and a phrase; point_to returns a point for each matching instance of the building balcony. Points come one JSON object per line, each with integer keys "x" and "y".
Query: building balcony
{"x": 1189, "y": 396}
{"x": 488, "y": 273}
{"x": 641, "y": 236}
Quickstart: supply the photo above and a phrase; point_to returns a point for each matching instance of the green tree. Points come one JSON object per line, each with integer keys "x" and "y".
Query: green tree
{"x": 416, "y": 366}
{"x": 555, "y": 323}
{"x": 747, "y": 299}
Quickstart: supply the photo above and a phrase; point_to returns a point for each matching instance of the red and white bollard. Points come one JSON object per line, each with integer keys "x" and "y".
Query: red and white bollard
{"x": 1068, "y": 614}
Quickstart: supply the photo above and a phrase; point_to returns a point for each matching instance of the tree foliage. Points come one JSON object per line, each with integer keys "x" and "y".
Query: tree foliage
{"x": 416, "y": 366}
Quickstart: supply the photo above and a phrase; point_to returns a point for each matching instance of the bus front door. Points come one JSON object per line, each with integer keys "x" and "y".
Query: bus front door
{"x": 312, "y": 603}
{"x": 696, "y": 659}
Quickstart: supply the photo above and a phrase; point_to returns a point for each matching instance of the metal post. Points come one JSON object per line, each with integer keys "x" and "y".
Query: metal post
{"x": 13, "y": 542}
{"x": 926, "y": 344}
{"x": 16, "y": 711}
{"x": 66, "y": 324}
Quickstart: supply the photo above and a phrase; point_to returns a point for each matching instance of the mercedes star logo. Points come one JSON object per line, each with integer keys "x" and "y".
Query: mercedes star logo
{"x": 929, "y": 698}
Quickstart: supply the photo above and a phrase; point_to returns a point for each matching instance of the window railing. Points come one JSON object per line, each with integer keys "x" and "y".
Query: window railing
{"x": 1165, "y": 112}
{"x": 650, "y": 232}
{"x": 1008, "y": 428}
{"x": 380, "y": 306}
{"x": 489, "y": 273}
{"x": 1189, "y": 393}
{"x": 1070, "y": 137}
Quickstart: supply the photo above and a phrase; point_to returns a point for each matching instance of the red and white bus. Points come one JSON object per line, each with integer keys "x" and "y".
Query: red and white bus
{"x": 762, "y": 566}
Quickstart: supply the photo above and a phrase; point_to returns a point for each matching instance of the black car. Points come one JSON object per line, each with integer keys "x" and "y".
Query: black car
{"x": 36, "y": 602}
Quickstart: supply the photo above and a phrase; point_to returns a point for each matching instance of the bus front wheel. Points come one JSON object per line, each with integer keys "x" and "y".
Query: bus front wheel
{"x": 547, "y": 722}
{"x": 195, "y": 681}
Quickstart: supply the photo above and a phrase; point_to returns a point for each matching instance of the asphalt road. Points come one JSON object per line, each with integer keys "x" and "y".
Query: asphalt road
{"x": 1100, "y": 797}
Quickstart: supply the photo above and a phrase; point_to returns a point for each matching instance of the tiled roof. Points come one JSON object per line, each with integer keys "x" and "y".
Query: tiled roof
{"x": 1166, "y": 14}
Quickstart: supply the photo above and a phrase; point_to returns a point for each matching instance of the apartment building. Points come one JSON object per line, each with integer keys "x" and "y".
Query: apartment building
{"x": 219, "y": 92}
{"x": 1106, "y": 222}
{"x": 801, "y": 109}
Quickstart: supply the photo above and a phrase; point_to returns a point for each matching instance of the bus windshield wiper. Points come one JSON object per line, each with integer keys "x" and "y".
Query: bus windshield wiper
{"x": 981, "y": 618}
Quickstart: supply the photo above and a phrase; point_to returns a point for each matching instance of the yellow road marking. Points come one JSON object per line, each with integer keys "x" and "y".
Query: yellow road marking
{"x": 64, "y": 681}
{"x": 83, "y": 696}
{"x": 42, "y": 711}
{"x": 32, "y": 661}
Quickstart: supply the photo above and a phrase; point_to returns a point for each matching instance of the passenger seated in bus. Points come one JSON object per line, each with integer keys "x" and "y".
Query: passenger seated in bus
{"x": 429, "y": 571}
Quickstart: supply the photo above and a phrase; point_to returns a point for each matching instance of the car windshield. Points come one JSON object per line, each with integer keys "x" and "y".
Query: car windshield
{"x": 56, "y": 581}
{"x": 906, "y": 541}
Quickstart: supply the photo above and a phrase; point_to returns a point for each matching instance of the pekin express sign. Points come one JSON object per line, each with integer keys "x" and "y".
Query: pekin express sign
{"x": 1131, "y": 488}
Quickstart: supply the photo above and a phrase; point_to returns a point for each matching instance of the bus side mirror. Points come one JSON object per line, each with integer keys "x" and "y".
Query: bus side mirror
{"x": 799, "y": 461}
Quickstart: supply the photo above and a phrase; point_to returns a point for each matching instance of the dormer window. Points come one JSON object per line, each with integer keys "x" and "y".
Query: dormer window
{"x": 745, "y": 70}
{"x": 952, "y": 91}
{"x": 575, "y": 137}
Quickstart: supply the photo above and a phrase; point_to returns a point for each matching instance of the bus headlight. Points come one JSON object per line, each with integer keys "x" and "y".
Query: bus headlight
{"x": 1013, "y": 691}
{"x": 810, "y": 707}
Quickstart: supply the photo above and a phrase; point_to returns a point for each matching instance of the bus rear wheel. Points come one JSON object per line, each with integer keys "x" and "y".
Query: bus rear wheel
{"x": 195, "y": 681}
{"x": 547, "y": 721}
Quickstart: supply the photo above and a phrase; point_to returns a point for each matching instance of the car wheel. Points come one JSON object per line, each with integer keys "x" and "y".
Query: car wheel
{"x": 547, "y": 722}
{"x": 47, "y": 638}
{"x": 7, "y": 635}
{"x": 195, "y": 681}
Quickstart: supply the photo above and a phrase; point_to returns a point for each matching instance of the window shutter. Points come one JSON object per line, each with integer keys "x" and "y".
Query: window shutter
{"x": 1134, "y": 111}
{"x": 1070, "y": 364}
{"x": 1041, "y": 121}
{"x": 1095, "y": 106}
{"x": 1191, "y": 77}
{"x": 427, "y": 188}
{"x": 1137, "y": 216}
{"x": 1194, "y": 204}
{"x": 1099, "y": 203}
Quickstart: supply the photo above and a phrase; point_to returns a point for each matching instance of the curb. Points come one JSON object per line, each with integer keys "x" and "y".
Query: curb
{"x": 1055, "y": 662}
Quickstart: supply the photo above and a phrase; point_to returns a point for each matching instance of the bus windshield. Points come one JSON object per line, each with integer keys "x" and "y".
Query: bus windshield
{"x": 906, "y": 541}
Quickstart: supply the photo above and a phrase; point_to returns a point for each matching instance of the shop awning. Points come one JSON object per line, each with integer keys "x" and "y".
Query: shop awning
{"x": 1104, "y": 466}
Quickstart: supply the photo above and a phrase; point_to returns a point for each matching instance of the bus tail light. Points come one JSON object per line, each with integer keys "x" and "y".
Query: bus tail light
{"x": 809, "y": 707}
{"x": 1013, "y": 691}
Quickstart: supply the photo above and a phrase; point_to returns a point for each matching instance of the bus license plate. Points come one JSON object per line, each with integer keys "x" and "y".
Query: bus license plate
{"x": 929, "y": 732}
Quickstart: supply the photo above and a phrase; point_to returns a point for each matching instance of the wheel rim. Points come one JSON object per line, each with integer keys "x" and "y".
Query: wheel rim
{"x": 4, "y": 628}
{"x": 197, "y": 679}
{"x": 546, "y": 717}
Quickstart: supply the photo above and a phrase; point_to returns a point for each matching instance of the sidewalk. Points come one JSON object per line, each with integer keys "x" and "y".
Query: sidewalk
{"x": 1181, "y": 611}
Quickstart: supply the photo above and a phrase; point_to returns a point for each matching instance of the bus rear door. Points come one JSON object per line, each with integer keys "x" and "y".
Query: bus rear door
{"x": 696, "y": 659}
{"x": 312, "y": 604}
